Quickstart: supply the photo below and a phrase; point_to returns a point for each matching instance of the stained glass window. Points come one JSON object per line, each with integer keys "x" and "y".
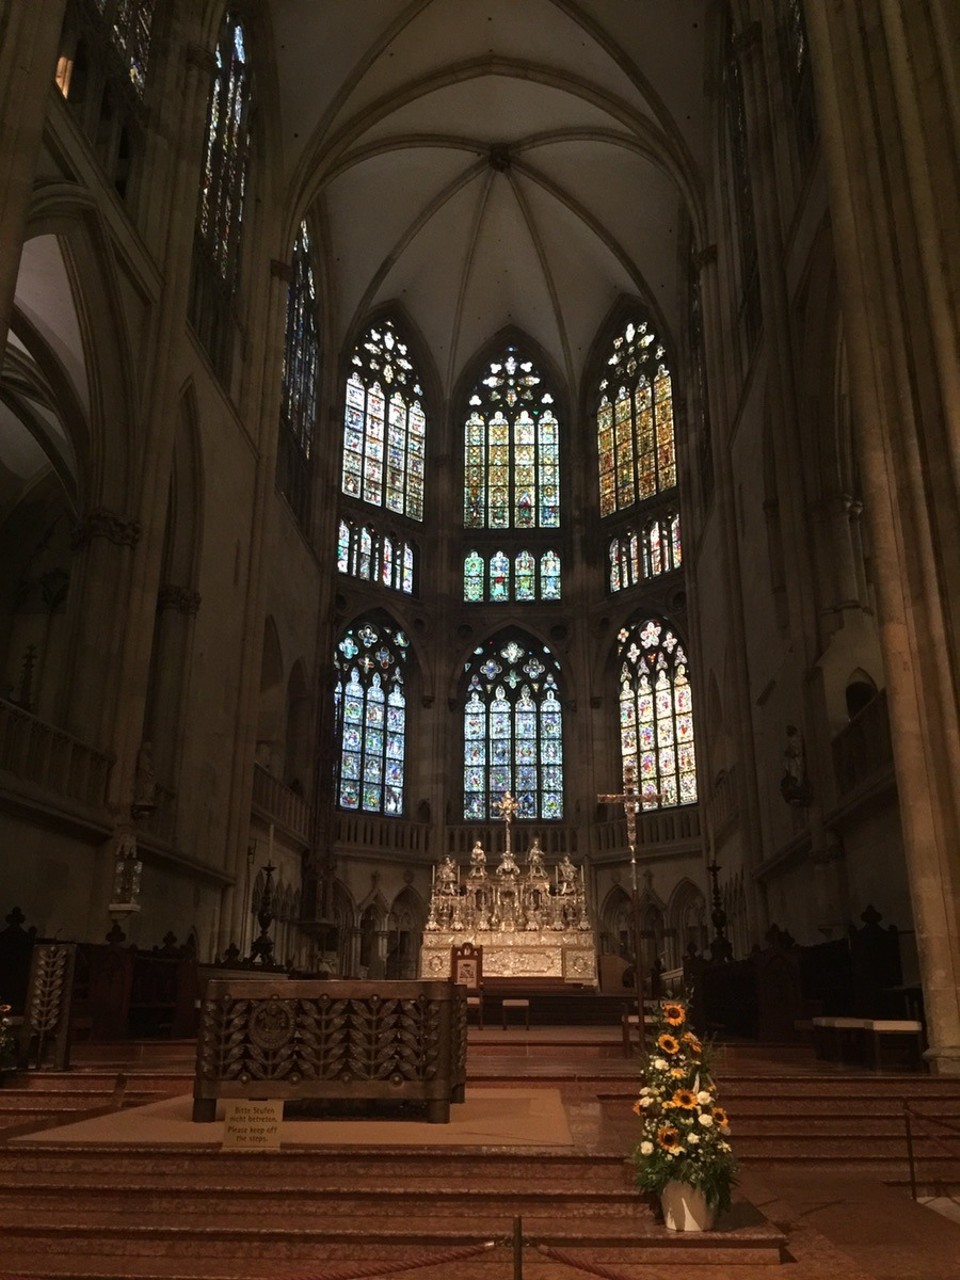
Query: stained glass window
{"x": 384, "y": 558}
{"x": 511, "y": 449}
{"x": 512, "y": 729}
{"x": 226, "y": 151}
{"x": 301, "y": 364}
{"x": 370, "y": 711}
{"x": 656, "y": 715}
{"x": 132, "y": 20}
{"x": 384, "y": 426}
{"x": 500, "y": 578}
{"x": 226, "y": 155}
{"x": 637, "y": 557}
{"x": 796, "y": 52}
{"x": 635, "y": 421}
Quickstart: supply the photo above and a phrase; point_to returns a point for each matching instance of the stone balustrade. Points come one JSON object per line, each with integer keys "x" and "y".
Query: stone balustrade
{"x": 44, "y": 757}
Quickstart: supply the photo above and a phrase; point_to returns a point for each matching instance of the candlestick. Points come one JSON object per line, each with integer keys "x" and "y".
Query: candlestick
{"x": 270, "y": 845}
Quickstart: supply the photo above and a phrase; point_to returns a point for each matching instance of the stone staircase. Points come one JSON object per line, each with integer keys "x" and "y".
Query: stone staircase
{"x": 103, "y": 1212}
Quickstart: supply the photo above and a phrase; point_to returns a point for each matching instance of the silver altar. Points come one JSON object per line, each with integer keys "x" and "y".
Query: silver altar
{"x": 530, "y": 922}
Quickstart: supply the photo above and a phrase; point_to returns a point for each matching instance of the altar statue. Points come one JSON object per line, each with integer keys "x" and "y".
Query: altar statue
{"x": 566, "y": 876}
{"x": 535, "y": 865}
{"x": 478, "y": 861}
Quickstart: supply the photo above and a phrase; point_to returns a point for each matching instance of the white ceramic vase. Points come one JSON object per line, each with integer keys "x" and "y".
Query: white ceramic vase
{"x": 685, "y": 1208}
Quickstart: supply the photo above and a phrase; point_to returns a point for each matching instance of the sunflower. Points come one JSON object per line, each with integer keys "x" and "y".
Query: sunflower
{"x": 720, "y": 1116}
{"x": 691, "y": 1041}
{"x": 684, "y": 1098}
{"x": 668, "y": 1043}
{"x": 674, "y": 1014}
{"x": 677, "y": 1072}
{"x": 668, "y": 1137}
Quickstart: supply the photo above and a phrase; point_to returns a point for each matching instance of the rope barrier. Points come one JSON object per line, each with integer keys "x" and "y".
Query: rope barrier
{"x": 922, "y": 1115}
{"x": 591, "y": 1268}
{"x": 913, "y": 1159}
{"x": 373, "y": 1270}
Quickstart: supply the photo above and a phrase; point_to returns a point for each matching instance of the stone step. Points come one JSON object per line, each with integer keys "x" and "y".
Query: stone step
{"x": 369, "y": 1238}
{"x": 308, "y": 1165}
{"x": 389, "y": 1200}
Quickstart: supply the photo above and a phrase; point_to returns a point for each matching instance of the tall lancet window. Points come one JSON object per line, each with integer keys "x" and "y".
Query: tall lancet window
{"x": 226, "y": 155}
{"x": 637, "y": 459}
{"x": 511, "y": 448}
{"x": 132, "y": 20}
{"x": 512, "y": 729}
{"x": 301, "y": 361}
{"x": 370, "y": 711}
{"x": 656, "y": 714}
{"x": 384, "y": 427}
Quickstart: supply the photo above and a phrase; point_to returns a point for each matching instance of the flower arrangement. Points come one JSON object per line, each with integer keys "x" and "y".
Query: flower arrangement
{"x": 684, "y": 1130}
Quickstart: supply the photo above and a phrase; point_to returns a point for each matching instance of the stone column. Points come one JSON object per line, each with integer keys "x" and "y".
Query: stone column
{"x": 718, "y": 384}
{"x": 885, "y": 73}
{"x": 105, "y": 543}
{"x": 29, "y": 39}
{"x": 173, "y": 644}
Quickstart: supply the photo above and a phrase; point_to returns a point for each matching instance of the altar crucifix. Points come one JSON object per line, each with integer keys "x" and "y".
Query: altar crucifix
{"x": 631, "y": 800}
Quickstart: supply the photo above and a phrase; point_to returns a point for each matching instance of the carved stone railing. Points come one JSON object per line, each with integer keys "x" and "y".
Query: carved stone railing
{"x": 277, "y": 803}
{"x": 45, "y": 757}
{"x": 372, "y": 833}
{"x": 335, "y": 1040}
{"x": 658, "y": 830}
{"x": 863, "y": 750}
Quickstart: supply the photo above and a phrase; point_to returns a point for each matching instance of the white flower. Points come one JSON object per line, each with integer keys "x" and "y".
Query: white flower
{"x": 645, "y": 1102}
{"x": 644, "y": 1090}
{"x": 703, "y": 1097}
{"x": 706, "y": 1121}
{"x": 693, "y": 1139}
{"x": 725, "y": 1146}
{"x": 660, "y": 1064}
{"x": 646, "y": 1148}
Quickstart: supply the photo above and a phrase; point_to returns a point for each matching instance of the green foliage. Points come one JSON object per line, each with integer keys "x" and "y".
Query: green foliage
{"x": 684, "y": 1130}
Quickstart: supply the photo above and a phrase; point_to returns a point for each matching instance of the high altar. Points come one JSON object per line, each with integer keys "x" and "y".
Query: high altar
{"x": 529, "y": 923}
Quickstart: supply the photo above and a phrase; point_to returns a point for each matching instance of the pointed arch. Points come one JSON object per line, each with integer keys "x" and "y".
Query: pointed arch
{"x": 385, "y": 422}
{"x": 512, "y": 728}
{"x": 656, "y": 714}
{"x": 370, "y": 712}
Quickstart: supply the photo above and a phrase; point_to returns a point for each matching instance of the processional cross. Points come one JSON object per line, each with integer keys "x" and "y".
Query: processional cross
{"x": 631, "y": 800}
{"x": 507, "y": 808}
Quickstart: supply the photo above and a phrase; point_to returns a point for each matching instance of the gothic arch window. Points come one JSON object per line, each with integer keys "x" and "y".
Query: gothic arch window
{"x": 370, "y": 718}
{"x": 384, "y": 427}
{"x": 300, "y": 381}
{"x": 102, "y": 72}
{"x": 511, "y": 448}
{"x": 512, "y": 729}
{"x": 656, "y": 715}
{"x": 223, "y": 179}
{"x": 635, "y": 441}
{"x": 502, "y": 578}
{"x": 386, "y": 558}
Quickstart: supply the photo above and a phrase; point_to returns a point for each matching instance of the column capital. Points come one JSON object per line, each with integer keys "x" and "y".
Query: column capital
{"x": 123, "y": 531}
{"x": 182, "y": 599}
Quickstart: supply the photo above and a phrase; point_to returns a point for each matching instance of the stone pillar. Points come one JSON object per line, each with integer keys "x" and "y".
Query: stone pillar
{"x": 105, "y": 542}
{"x": 885, "y": 74}
{"x": 726, "y": 515}
{"x": 29, "y": 40}
{"x": 173, "y": 643}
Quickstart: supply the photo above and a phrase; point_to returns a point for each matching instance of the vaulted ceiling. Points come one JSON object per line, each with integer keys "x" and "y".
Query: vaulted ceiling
{"x": 493, "y": 163}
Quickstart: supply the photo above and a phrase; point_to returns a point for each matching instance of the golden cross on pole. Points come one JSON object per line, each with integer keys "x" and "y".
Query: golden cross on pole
{"x": 507, "y": 807}
{"x": 631, "y": 800}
